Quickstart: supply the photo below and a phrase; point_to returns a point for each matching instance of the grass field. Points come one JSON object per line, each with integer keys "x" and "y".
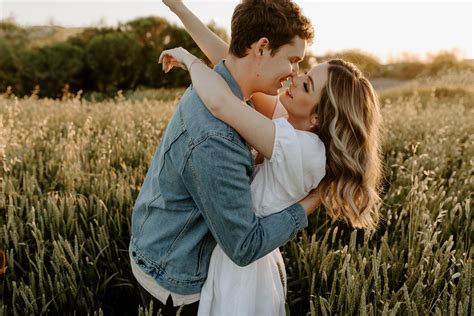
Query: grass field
{"x": 72, "y": 169}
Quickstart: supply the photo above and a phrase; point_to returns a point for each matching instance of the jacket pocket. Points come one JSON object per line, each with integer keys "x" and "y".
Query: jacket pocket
{"x": 201, "y": 250}
{"x": 147, "y": 212}
{"x": 204, "y": 256}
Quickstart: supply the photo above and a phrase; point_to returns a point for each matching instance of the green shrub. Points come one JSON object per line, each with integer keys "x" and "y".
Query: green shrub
{"x": 368, "y": 64}
{"x": 10, "y": 66}
{"x": 403, "y": 70}
{"x": 52, "y": 68}
{"x": 114, "y": 62}
{"x": 17, "y": 36}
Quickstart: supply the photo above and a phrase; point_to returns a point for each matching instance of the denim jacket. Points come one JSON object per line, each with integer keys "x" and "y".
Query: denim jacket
{"x": 196, "y": 193}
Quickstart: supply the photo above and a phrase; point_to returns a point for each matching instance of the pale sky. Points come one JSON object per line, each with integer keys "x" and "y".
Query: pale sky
{"x": 383, "y": 28}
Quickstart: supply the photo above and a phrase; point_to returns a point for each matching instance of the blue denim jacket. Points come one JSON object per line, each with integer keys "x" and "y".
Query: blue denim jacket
{"x": 196, "y": 193}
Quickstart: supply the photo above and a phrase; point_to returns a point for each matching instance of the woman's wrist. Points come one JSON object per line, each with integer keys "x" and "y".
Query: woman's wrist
{"x": 188, "y": 60}
{"x": 178, "y": 8}
{"x": 310, "y": 203}
{"x": 193, "y": 62}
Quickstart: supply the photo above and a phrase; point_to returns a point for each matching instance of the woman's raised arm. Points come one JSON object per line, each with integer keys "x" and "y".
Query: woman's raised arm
{"x": 211, "y": 44}
{"x": 254, "y": 127}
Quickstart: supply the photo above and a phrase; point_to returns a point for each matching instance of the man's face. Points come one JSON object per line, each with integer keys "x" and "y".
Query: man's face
{"x": 275, "y": 69}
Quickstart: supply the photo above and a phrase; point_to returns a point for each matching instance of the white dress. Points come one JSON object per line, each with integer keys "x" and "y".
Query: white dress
{"x": 296, "y": 167}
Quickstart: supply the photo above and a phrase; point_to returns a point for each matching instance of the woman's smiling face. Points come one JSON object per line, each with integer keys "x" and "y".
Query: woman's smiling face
{"x": 304, "y": 93}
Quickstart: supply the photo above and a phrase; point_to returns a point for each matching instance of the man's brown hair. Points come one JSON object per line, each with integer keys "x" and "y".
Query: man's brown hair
{"x": 278, "y": 20}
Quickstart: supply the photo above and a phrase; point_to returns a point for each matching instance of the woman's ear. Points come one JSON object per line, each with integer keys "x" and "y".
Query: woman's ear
{"x": 315, "y": 120}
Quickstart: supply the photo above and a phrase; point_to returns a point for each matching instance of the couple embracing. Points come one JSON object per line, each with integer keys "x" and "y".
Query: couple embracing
{"x": 240, "y": 168}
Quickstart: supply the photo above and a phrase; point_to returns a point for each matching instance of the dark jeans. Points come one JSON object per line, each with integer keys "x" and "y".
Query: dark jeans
{"x": 166, "y": 309}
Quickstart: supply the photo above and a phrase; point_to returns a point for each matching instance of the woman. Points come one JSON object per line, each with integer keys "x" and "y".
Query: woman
{"x": 329, "y": 140}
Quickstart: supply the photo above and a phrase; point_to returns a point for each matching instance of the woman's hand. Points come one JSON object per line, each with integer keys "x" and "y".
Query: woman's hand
{"x": 173, "y": 4}
{"x": 311, "y": 202}
{"x": 178, "y": 57}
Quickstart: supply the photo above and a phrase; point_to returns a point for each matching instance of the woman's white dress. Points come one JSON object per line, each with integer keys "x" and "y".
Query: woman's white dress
{"x": 296, "y": 167}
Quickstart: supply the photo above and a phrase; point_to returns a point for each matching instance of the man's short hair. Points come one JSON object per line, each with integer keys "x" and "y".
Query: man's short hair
{"x": 278, "y": 20}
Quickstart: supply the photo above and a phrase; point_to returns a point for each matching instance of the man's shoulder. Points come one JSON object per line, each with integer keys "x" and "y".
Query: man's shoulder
{"x": 199, "y": 122}
{"x": 208, "y": 138}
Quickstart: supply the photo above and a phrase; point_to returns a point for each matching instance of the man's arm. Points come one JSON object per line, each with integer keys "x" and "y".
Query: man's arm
{"x": 216, "y": 177}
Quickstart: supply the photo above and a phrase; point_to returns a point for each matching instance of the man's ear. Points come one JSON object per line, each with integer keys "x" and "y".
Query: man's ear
{"x": 262, "y": 46}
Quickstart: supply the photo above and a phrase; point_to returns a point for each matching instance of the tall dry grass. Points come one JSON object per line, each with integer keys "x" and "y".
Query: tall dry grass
{"x": 72, "y": 169}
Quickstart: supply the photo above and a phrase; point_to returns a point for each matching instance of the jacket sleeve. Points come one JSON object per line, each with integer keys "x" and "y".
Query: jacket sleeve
{"x": 216, "y": 177}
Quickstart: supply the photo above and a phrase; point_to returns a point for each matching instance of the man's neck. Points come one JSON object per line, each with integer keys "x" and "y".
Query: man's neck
{"x": 239, "y": 69}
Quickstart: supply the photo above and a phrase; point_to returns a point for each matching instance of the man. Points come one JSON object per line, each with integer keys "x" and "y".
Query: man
{"x": 197, "y": 190}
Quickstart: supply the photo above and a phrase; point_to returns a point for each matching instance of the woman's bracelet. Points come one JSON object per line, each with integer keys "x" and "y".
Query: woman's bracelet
{"x": 195, "y": 60}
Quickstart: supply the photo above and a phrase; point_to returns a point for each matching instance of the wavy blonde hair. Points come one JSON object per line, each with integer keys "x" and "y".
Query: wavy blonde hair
{"x": 350, "y": 128}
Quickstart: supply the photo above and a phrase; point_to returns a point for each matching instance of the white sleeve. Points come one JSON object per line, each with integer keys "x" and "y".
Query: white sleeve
{"x": 286, "y": 162}
{"x": 314, "y": 159}
{"x": 291, "y": 172}
{"x": 298, "y": 158}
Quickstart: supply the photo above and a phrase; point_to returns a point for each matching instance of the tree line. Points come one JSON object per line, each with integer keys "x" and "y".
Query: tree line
{"x": 104, "y": 60}
{"x": 109, "y": 59}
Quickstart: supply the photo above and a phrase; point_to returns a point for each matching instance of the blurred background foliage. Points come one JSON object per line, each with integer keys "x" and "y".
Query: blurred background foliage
{"x": 49, "y": 61}
{"x": 101, "y": 60}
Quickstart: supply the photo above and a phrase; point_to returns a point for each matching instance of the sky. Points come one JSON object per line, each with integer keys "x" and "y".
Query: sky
{"x": 386, "y": 29}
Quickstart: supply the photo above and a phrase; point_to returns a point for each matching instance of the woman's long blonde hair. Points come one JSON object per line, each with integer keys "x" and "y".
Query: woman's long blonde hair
{"x": 350, "y": 123}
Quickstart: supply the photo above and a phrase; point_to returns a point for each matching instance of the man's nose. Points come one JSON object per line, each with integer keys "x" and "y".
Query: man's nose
{"x": 294, "y": 69}
{"x": 293, "y": 80}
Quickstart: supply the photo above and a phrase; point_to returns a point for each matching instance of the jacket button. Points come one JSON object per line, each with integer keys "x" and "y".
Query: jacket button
{"x": 134, "y": 253}
{"x": 140, "y": 261}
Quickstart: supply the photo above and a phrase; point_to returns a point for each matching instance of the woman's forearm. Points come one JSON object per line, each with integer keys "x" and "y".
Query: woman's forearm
{"x": 211, "y": 44}
{"x": 223, "y": 104}
{"x": 210, "y": 86}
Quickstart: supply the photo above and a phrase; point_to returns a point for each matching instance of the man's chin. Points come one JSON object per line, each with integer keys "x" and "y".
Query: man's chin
{"x": 273, "y": 91}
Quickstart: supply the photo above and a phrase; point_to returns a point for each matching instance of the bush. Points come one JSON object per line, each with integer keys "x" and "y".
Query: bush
{"x": 369, "y": 65}
{"x": 114, "y": 60}
{"x": 52, "y": 68}
{"x": 9, "y": 66}
{"x": 150, "y": 36}
{"x": 403, "y": 70}
{"x": 12, "y": 33}
{"x": 444, "y": 62}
